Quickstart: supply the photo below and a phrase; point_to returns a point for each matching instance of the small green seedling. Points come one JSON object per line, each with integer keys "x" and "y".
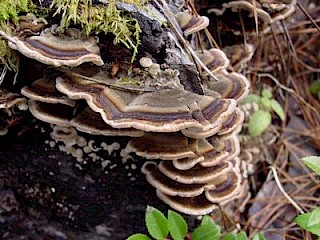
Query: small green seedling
{"x": 315, "y": 89}
{"x": 175, "y": 227}
{"x": 311, "y": 221}
{"x": 261, "y": 119}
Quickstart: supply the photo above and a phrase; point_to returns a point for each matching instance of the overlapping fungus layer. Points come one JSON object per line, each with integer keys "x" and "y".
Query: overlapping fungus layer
{"x": 189, "y": 140}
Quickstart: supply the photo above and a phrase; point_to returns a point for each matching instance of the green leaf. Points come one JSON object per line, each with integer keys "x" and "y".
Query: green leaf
{"x": 312, "y": 162}
{"x": 156, "y": 223}
{"x": 138, "y": 236}
{"x": 251, "y": 98}
{"x": 310, "y": 221}
{"x": 206, "y": 232}
{"x": 266, "y": 103}
{"x": 277, "y": 108}
{"x": 266, "y": 93}
{"x": 259, "y": 122}
{"x": 315, "y": 87}
{"x": 229, "y": 236}
{"x": 258, "y": 236}
{"x": 206, "y": 219}
{"x": 242, "y": 236}
{"x": 178, "y": 227}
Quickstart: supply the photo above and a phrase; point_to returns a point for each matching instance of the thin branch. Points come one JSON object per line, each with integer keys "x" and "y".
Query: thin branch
{"x": 165, "y": 9}
{"x": 308, "y": 16}
{"x": 276, "y": 178}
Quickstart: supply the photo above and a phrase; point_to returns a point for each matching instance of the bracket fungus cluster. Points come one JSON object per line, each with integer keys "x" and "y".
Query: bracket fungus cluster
{"x": 57, "y": 47}
{"x": 188, "y": 140}
{"x": 266, "y": 12}
{"x": 191, "y": 137}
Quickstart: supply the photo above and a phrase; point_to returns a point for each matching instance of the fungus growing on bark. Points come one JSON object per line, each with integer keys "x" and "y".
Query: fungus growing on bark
{"x": 163, "y": 146}
{"x": 239, "y": 55}
{"x": 205, "y": 187}
{"x": 165, "y": 110}
{"x": 44, "y": 90}
{"x": 51, "y": 106}
{"x": 91, "y": 122}
{"x": 231, "y": 85}
{"x": 197, "y": 174}
{"x": 214, "y": 59}
{"x": 191, "y": 24}
{"x": 198, "y": 205}
{"x": 268, "y": 13}
{"x": 59, "y": 114}
{"x": 58, "y": 50}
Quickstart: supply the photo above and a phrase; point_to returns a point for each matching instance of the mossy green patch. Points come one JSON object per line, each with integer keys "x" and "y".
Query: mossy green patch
{"x": 9, "y": 15}
{"x": 101, "y": 18}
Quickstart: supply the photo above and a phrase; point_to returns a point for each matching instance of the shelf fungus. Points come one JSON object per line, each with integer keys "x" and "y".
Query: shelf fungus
{"x": 214, "y": 59}
{"x": 11, "y": 107}
{"x": 44, "y": 90}
{"x": 191, "y": 24}
{"x": 195, "y": 191}
{"x": 268, "y": 12}
{"x": 190, "y": 138}
{"x": 239, "y": 55}
{"x": 231, "y": 85}
{"x": 263, "y": 13}
{"x": 57, "y": 49}
{"x": 164, "y": 110}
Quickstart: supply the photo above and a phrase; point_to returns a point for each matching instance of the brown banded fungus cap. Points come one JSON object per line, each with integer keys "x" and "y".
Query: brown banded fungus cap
{"x": 229, "y": 122}
{"x": 191, "y": 24}
{"x": 198, "y": 205}
{"x": 239, "y": 55}
{"x": 183, "y": 151}
{"x": 165, "y": 110}
{"x": 59, "y": 114}
{"x": 174, "y": 185}
{"x": 163, "y": 146}
{"x": 44, "y": 90}
{"x": 57, "y": 50}
{"x": 267, "y": 12}
{"x": 213, "y": 58}
{"x": 224, "y": 149}
{"x": 233, "y": 124}
{"x": 197, "y": 174}
{"x": 51, "y": 106}
{"x": 91, "y": 122}
{"x": 230, "y": 85}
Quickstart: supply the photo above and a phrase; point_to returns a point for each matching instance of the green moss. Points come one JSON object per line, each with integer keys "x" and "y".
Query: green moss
{"x": 9, "y": 16}
{"x": 101, "y": 18}
{"x": 11, "y": 8}
{"x": 129, "y": 81}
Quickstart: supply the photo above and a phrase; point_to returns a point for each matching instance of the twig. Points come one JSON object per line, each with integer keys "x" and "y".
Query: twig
{"x": 276, "y": 178}
{"x": 165, "y": 9}
{"x": 3, "y": 73}
{"x": 288, "y": 38}
{"x": 308, "y": 16}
